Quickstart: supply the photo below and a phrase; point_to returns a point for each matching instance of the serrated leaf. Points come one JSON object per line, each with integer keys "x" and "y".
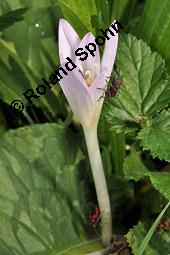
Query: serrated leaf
{"x": 143, "y": 240}
{"x": 42, "y": 209}
{"x": 159, "y": 243}
{"x": 144, "y": 89}
{"x": 134, "y": 169}
{"x": 151, "y": 28}
{"x": 149, "y": 234}
{"x": 161, "y": 182}
{"x": 156, "y": 137}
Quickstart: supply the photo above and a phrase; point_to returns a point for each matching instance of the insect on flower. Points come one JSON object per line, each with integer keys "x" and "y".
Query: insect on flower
{"x": 111, "y": 89}
{"x": 94, "y": 217}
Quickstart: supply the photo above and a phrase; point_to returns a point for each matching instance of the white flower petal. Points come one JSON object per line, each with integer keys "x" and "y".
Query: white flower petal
{"x": 68, "y": 40}
{"x": 109, "y": 53}
{"x": 96, "y": 92}
{"x": 78, "y": 96}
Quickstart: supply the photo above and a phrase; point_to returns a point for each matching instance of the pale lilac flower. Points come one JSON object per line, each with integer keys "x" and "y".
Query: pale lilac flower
{"x": 81, "y": 85}
{"x": 81, "y": 88}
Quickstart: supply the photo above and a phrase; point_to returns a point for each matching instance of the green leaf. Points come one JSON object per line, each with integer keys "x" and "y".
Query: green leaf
{"x": 16, "y": 78}
{"x": 106, "y": 162}
{"x": 38, "y": 25}
{"x": 103, "y": 13}
{"x": 151, "y": 28}
{"x": 81, "y": 14}
{"x": 134, "y": 169}
{"x": 11, "y": 85}
{"x": 161, "y": 182}
{"x": 147, "y": 238}
{"x": 140, "y": 239}
{"x": 82, "y": 248}
{"x": 31, "y": 55}
{"x": 144, "y": 89}
{"x": 42, "y": 199}
{"x": 156, "y": 137}
{"x": 122, "y": 10}
{"x": 117, "y": 147}
{"x": 11, "y": 17}
{"x": 159, "y": 243}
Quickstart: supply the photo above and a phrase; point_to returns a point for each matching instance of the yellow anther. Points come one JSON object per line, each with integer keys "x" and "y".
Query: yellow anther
{"x": 88, "y": 77}
{"x": 88, "y": 81}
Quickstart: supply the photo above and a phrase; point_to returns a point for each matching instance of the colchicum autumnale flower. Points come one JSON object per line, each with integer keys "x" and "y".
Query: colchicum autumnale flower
{"x": 80, "y": 87}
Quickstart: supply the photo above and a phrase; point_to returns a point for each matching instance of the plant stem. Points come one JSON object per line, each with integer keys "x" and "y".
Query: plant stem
{"x": 100, "y": 183}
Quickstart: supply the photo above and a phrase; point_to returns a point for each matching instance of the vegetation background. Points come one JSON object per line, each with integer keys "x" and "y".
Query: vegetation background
{"x": 46, "y": 187}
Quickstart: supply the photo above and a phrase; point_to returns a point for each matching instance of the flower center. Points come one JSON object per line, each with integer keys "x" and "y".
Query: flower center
{"x": 87, "y": 76}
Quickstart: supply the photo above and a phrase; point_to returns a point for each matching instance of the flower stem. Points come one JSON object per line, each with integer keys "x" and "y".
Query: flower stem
{"x": 100, "y": 183}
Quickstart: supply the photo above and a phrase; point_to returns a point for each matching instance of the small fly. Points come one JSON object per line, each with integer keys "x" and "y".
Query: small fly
{"x": 111, "y": 89}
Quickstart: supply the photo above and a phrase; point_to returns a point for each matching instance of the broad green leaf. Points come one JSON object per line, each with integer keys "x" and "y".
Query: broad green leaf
{"x": 159, "y": 243}
{"x": 16, "y": 78}
{"x": 156, "y": 137}
{"x": 38, "y": 25}
{"x": 144, "y": 89}
{"x": 134, "y": 169}
{"x": 32, "y": 55}
{"x": 42, "y": 200}
{"x": 11, "y": 17}
{"x": 86, "y": 247}
{"x": 103, "y": 13}
{"x": 81, "y": 14}
{"x": 154, "y": 27}
{"x": 122, "y": 10}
